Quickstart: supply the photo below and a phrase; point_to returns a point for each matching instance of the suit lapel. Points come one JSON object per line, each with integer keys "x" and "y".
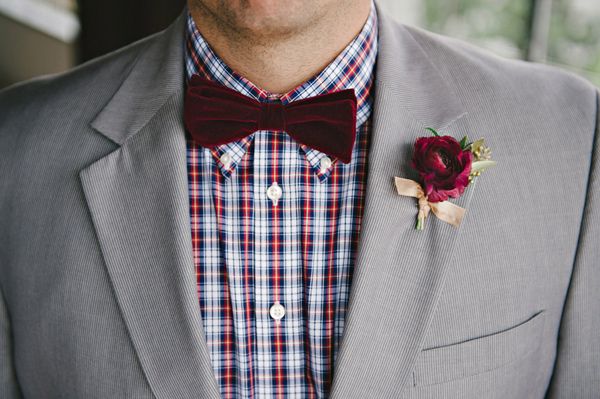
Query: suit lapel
{"x": 138, "y": 200}
{"x": 399, "y": 272}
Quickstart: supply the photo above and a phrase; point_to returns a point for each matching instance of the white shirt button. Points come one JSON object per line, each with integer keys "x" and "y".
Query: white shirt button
{"x": 325, "y": 163}
{"x": 277, "y": 311}
{"x": 274, "y": 193}
{"x": 226, "y": 160}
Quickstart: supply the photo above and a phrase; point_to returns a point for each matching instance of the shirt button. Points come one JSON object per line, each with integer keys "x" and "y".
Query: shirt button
{"x": 325, "y": 163}
{"x": 225, "y": 160}
{"x": 277, "y": 311}
{"x": 274, "y": 193}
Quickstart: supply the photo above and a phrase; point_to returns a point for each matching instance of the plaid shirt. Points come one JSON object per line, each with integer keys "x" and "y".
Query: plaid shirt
{"x": 293, "y": 245}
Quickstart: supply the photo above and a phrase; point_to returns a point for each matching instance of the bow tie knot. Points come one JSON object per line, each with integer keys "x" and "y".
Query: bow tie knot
{"x": 272, "y": 116}
{"x": 215, "y": 115}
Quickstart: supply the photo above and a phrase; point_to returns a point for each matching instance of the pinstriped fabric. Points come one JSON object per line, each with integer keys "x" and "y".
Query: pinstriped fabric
{"x": 250, "y": 253}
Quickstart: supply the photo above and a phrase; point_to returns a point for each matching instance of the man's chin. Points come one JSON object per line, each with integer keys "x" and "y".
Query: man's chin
{"x": 283, "y": 18}
{"x": 261, "y": 17}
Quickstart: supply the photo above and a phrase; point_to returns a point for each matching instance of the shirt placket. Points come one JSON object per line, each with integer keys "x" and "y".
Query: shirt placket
{"x": 263, "y": 262}
{"x": 277, "y": 284}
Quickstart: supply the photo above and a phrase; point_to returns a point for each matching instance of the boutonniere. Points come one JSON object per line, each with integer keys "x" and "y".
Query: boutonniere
{"x": 446, "y": 167}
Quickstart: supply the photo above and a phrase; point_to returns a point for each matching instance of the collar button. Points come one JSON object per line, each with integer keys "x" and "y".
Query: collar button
{"x": 325, "y": 164}
{"x": 226, "y": 160}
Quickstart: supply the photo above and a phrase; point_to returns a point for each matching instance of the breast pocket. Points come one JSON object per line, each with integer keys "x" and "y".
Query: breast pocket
{"x": 479, "y": 355}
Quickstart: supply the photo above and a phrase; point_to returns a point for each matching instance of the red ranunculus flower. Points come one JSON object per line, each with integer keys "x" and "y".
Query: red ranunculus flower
{"x": 443, "y": 166}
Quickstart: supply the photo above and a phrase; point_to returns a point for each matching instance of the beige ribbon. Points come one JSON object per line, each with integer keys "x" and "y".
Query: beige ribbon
{"x": 445, "y": 210}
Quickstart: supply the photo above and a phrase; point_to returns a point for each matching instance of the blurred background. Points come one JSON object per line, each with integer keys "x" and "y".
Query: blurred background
{"x": 47, "y": 36}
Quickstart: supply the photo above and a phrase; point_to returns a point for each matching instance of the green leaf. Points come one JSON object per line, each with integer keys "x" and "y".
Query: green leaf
{"x": 463, "y": 143}
{"x": 480, "y": 166}
{"x": 432, "y": 130}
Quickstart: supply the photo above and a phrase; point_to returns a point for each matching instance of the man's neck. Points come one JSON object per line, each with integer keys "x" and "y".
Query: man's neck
{"x": 278, "y": 64}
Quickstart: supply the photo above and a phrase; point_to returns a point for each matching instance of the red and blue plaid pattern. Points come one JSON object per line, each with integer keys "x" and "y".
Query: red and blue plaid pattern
{"x": 250, "y": 253}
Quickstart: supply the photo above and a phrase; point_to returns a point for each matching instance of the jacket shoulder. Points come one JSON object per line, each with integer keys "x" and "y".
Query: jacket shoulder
{"x": 70, "y": 97}
{"x": 481, "y": 76}
{"x": 45, "y": 130}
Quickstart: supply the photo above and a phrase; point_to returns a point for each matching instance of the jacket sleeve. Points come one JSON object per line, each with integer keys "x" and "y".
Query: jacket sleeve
{"x": 577, "y": 368}
{"x": 9, "y": 387}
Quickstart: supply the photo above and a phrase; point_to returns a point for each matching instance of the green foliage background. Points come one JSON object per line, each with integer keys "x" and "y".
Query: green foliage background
{"x": 575, "y": 39}
{"x": 503, "y": 26}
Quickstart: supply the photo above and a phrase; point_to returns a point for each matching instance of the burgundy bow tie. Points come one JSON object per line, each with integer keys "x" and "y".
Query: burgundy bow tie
{"x": 215, "y": 115}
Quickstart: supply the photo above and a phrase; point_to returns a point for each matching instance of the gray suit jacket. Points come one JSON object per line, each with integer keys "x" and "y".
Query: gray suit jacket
{"x": 97, "y": 282}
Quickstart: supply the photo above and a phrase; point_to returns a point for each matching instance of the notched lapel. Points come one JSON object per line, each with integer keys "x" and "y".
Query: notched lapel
{"x": 399, "y": 272}
{"x": 139, "y": 204}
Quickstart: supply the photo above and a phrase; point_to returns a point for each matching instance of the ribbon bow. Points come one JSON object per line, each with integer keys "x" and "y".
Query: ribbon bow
{"x": 445, "y": 210}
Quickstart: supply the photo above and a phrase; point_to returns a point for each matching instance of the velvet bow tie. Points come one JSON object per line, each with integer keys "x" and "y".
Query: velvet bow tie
{"x": 215, "y": 115}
